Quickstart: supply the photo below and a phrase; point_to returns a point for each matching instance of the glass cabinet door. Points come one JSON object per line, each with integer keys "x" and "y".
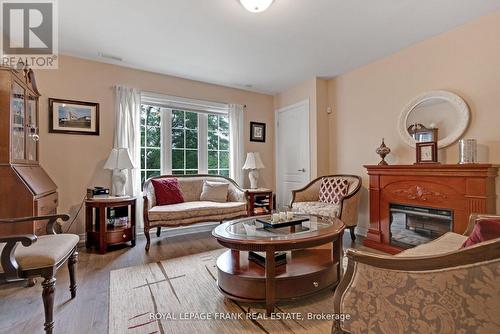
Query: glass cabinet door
{"x": 32, "y": 129}
{"x": 18, "y": 123}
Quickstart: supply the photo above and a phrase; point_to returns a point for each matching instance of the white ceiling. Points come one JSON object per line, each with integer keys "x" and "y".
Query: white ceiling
{"x": 218, "y": 41}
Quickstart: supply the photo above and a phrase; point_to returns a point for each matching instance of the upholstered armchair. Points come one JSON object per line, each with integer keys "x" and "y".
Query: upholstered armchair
{"x": 28, "y": 256}
{"x": 438, "y": 287}
{"x": 306, "y": 200}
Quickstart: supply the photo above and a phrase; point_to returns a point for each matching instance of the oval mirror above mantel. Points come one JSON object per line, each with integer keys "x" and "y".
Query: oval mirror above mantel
{"x": 435, "y": 113}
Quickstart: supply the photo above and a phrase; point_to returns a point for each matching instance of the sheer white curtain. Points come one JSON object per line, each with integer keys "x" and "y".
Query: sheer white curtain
{"x": 127, "y": 135}
{"x": 237, "y": 154}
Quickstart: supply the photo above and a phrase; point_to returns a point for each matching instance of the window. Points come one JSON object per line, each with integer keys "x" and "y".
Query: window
{"x": 184, "y": 142}
{"x": 175, "y": 141}
{"x": 218, "y": 145}
{"x": 150, "y": 142}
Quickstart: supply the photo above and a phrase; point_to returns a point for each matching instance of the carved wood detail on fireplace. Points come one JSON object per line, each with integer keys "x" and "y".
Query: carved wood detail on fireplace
{"x": 463, "y": 189}
{"x": 419, "y": 193}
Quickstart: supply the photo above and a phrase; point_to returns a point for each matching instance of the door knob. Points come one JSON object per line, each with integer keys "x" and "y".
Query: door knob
{"x": 303, "y": 170}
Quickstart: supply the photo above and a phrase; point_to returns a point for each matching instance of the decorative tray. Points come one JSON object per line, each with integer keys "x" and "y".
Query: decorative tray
{"x": 290, "y": 222}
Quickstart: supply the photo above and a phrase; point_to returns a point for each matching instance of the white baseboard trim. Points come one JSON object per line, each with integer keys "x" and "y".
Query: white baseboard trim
{"x": 82, "y": 238}
{"x": 168, "y": 232}
{"x": 183, "y": 230}
{"x": 361, "y": 230}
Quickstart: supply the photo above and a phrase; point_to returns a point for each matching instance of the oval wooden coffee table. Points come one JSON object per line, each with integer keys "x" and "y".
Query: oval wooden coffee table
{"x": 308, "y": 270}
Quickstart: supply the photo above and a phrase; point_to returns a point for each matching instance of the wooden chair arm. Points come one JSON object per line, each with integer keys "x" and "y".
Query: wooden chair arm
{"x": 8, "y": 259}
{"x": 27, "y": 219}
{"x": 474, "y": 217}
{"x": 25, "y": 239}
{"x": 50, "y": 225}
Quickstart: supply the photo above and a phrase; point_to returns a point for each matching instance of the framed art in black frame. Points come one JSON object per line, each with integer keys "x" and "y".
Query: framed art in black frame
{"x": 73, "y": 117}
{"x": 427, "y": 153}
{"x": 258, "y": 132}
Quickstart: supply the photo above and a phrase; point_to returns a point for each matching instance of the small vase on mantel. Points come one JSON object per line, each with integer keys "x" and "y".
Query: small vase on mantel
{"x": 383, "y": 151}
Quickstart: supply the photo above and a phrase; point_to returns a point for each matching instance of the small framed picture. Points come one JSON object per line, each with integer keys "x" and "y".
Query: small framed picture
{"x": 73, "y": 117}
{"x": 427, "y": 152}
{"x": 258, "y": 132}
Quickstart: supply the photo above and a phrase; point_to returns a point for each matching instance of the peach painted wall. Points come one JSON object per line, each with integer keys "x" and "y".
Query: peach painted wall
{"x": 316, "y": 91}
{"x": 76, "y": 162}
{"x": 367, "y": 101}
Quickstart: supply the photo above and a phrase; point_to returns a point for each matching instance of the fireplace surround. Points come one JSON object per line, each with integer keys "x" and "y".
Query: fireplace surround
{"x": 451, "y": 191}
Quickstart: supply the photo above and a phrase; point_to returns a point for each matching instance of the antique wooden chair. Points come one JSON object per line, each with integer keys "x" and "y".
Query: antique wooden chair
{"x": 39, "y": 257}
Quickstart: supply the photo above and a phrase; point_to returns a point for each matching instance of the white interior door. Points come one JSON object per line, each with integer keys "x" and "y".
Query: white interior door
{"x": 292, "y": 151}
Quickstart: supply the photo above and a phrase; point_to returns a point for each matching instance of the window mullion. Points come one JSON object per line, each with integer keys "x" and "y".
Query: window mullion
{"x": 185, "y": 144}
{"x": 202, "y": 143}
{"x": 166, "y": 141}
{"x": 218, "y": 145}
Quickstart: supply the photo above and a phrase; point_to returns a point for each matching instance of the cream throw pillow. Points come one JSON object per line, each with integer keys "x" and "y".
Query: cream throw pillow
{"x": 214, "y": 191}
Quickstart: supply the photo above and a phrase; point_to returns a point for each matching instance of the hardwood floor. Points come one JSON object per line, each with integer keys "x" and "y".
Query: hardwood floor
{"x": 21, "y": 309}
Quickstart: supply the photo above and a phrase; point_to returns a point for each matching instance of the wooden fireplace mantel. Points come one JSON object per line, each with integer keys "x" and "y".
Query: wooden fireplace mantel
{"x": 463, "y": 189}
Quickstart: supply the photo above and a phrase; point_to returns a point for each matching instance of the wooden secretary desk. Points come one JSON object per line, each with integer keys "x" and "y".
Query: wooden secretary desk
{"x": 25, "y": 188}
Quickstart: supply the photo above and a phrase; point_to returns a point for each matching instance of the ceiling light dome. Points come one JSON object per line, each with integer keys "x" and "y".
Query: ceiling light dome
{"x": 256, "y": 6}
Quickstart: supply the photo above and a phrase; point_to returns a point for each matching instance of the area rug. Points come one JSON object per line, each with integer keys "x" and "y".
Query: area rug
{"x": 181, "y": 296}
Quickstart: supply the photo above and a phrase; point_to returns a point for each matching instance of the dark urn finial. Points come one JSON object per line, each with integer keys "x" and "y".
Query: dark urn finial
{"x": 383, "y": 151}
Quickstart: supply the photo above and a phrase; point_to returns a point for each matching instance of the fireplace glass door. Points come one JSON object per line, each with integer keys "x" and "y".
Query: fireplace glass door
{"x": 414, "y": 225}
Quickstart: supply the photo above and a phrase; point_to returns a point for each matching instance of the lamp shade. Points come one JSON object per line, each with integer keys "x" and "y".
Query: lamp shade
{"x": 119, "y": 159}
{"x": 253, "y": 161}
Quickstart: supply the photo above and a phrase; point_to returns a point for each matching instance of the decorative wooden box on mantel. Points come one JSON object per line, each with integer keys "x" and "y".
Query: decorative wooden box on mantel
{"x": 458, "y": 189}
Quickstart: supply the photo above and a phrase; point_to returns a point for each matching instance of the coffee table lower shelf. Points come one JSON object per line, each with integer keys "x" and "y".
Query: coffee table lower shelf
{"x": 306, "y": 272}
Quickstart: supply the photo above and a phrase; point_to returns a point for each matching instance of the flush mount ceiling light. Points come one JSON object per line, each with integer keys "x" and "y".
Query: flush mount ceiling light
{"x": 256, "y": 6}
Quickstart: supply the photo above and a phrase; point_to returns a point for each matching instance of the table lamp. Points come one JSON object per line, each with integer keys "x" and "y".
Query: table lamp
{"x": 119, "y": 161}
{"x": 253, "y": 163}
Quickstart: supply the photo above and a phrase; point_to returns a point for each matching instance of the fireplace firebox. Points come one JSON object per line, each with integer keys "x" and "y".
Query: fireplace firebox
{"x": 411, "y": 226}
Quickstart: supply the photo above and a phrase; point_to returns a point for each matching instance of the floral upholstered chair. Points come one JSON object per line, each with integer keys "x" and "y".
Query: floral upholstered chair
{"x": 438, "y": 287}
{"x": 332, "y": 196}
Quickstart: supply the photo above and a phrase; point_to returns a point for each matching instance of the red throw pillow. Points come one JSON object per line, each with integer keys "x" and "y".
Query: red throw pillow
{"x": 333, "y": 189}
{"x": 484, "y": 230}
{"x": 167, "y": 191}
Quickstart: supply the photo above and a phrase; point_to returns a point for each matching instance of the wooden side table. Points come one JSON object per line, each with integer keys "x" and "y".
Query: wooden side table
{"x": 260, "y": 201}
{"x": 101, "y": 234}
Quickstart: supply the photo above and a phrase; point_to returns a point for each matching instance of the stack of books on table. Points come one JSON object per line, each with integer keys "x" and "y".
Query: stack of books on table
{"x": 260, "y": 258}
{"x": 121, "y": 222}
{"x": 261, "y": 211}
{"x": 118, "y": 222}
{"x": 261, "y": 205}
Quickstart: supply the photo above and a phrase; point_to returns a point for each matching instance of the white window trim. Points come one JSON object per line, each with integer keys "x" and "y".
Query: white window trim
{"x": 202, "y": 142}
{"x": 183, "y": 103}
{"x": 166, "y": 140}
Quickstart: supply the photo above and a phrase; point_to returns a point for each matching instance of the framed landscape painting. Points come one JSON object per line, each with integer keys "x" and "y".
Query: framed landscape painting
{"x": 73, "y": 117}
